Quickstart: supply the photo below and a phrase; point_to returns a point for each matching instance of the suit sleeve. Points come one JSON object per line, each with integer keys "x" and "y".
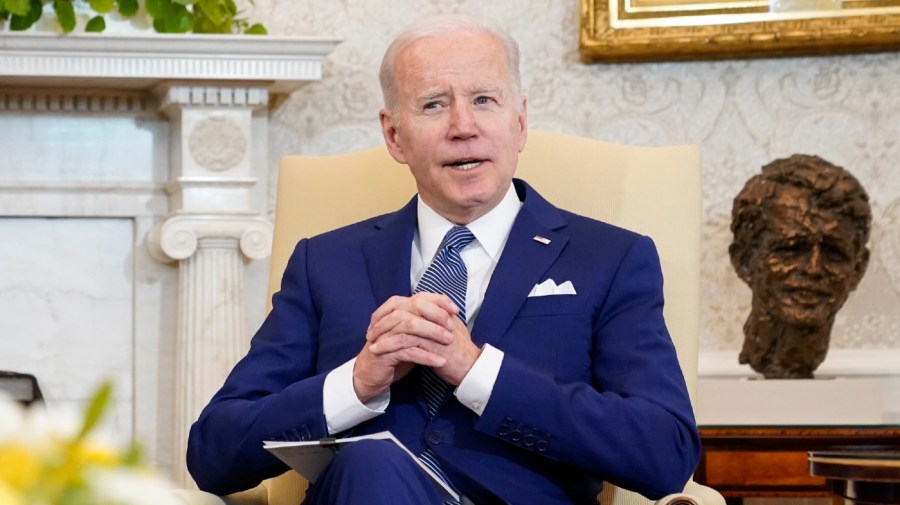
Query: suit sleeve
{"x": 273, "y": 393}
{"x": 631, "y": 423}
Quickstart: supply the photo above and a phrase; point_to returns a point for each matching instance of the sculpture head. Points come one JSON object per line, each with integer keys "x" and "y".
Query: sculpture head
{"x": 800, "y": 232}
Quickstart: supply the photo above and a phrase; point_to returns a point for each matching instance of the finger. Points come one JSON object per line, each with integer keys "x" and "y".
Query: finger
{"x": 404, "y": 323}
{"x": 392, "y": 304}
{"x": 398, "y": 341}
{"x": 440, "y": 300}
{"x": 438, "y": 309}
{"x": 419, "y": 356}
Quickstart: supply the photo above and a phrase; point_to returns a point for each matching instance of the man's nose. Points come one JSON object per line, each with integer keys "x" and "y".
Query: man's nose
{"x": 813, "y": 264}
{"x": 462, "y": 121}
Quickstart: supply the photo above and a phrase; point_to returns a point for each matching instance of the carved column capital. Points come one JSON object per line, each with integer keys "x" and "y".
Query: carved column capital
{"x": 177, "y": 238}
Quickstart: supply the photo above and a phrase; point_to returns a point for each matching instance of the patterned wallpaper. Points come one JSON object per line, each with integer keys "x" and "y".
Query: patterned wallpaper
{"x": 743, "y": 114}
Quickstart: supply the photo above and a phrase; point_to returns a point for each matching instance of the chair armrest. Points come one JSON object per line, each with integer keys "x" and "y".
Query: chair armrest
{"x": 196, "y": 497}
{"x": 693, "y": 494}
{"x": 256, "y": 496}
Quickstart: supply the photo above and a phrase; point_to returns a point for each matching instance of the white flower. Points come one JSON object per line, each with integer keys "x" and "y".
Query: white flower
{"x": 12, "y": 420}
{"x": 131, "y": 486}
{"x": 47, "y": 457}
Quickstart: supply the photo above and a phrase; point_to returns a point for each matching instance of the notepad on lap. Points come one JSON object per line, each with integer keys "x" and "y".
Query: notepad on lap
{"x": 309, "y": 458}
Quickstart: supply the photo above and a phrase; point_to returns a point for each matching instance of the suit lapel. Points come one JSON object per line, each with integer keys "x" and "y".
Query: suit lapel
{"x": 387, "y": 253}
{"x": 522, "y": 264}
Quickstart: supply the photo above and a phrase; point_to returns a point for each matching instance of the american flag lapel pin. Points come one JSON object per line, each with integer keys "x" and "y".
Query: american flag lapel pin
{"x": 543, "y": 240}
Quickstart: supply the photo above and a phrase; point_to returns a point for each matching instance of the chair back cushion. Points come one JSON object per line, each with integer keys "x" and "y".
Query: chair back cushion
{"x": 655, "y": 191}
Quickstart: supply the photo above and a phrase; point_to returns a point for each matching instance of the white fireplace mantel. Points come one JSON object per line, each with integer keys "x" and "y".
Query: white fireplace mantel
{"x": 142, "y": 61}
{"x": 169, "y": 131}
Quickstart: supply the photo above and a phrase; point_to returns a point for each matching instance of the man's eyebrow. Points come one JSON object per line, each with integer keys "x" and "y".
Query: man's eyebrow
{"x": 490, "y": 90}
{"x": 431, "y": 95}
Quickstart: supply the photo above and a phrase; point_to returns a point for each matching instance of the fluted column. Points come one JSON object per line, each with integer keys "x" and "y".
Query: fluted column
{"x": 216, "y": 198}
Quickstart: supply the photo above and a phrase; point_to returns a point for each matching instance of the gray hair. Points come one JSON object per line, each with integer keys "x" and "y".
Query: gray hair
{"x": 443, "y": 25}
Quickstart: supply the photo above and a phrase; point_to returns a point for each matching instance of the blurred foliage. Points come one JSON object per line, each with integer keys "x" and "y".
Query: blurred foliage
{"x": 58, "y": 457}
{"x": 167, "y": 16}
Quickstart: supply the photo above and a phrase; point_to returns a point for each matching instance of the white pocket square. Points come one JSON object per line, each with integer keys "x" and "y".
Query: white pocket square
{"x": 549, "y": 287}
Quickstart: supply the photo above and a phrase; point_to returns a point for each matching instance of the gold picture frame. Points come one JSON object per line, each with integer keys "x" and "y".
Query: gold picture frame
{"x": 663, "y": 30}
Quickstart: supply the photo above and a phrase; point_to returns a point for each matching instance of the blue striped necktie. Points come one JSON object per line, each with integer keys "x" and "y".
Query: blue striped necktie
{"x": 446, "y": 275}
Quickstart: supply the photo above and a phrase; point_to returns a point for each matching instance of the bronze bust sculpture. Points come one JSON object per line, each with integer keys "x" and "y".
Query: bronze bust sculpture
{"x": 800, "y": 232}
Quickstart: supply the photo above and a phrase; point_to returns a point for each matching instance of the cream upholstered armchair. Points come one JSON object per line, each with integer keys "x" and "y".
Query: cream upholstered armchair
{"x": 654, "y": 191}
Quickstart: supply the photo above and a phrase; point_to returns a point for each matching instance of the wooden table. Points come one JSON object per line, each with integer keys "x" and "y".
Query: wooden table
{"x": 859, "y": 478}
{"x": 742, "y": 462}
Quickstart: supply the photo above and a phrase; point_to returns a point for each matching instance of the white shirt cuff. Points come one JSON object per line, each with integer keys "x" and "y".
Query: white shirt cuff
{"x": 342, "y": 407}
{"x": 475, "y": 389}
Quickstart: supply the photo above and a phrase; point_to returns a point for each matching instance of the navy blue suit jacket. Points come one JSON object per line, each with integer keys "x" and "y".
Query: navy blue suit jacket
{"x": 589, "y": 390}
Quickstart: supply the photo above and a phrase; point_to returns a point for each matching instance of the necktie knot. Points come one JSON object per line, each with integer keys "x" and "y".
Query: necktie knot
{"x": 458, "y": 238}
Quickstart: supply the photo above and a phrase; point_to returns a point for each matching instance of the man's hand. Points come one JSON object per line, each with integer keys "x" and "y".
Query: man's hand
{"x": 405, "y": 331}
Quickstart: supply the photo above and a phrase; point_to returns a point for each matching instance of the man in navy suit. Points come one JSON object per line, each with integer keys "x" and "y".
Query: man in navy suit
{"x": 563, "y": 374}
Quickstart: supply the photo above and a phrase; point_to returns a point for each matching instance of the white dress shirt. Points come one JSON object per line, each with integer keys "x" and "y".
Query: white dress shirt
{"x": 342, "y": 407}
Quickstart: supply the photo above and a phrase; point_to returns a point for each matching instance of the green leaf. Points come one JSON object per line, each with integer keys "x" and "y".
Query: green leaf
{"x": 158, "y": 9}
{"x": 102, "y": 6}
{"x": 96, "y": 408}
{"x": 128, "y": 8}
{"x": 133, "y": 455}
{"x": 65, "y": 14}
{"x": 17, "y": 7}
{"x": 256, "y": 29}
{"x": 96, "y": 25}
{"x": 212, "y": 10}
{"x": 184, "y": 2}
{"x": 23, "y": 22}
{"x": 179, "y": 20}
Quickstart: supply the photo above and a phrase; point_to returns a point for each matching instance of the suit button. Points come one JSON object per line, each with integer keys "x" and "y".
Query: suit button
{"x": 542, "y": 446}
{"x": 515, "y": 436}
{"x": 435, "y": 437}
{"x": 503, "y": 430}
{"x": 529, "y": 440}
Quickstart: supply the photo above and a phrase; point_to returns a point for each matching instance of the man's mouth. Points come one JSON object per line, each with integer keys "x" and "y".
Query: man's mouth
{"x": 465, "y": 164}
{"x": 808, "y": 295}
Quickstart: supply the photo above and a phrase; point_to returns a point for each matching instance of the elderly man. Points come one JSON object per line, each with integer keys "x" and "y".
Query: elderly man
{"x": 421, "y": 321}
{"x": 800, "y": 231}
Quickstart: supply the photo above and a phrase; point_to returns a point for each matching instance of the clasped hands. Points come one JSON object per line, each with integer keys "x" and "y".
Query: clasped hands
{"x": 422, "y": 329}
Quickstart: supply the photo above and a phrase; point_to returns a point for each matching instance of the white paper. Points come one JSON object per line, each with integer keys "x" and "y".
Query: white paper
{"x": 309, "y": 458}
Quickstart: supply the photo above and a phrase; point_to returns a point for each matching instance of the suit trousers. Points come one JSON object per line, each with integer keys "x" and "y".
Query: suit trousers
{"x": 372, "y": 472}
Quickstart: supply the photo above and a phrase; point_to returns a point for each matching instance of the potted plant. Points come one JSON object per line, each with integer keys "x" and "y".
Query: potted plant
{"x": 166, "y": 16}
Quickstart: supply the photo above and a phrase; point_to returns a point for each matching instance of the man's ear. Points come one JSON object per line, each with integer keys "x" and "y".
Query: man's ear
{"x": 860, "y": 269}
{"x": 523, "y": 124}
{"x": 391, "y": 135}
{"x": 740, "y": 262}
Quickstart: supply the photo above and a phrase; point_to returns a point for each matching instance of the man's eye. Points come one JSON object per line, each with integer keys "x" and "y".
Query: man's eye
{"x": 792, "y": 249}
{"x": 483, "y": 100}
{"x": 835, "y": 253}
{"x": 432, "y": 105}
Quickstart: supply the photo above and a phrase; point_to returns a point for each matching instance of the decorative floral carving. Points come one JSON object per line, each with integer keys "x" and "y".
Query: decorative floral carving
{"x": 217, "y": 143}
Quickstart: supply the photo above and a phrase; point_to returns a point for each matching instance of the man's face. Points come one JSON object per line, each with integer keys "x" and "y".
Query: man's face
{"x": 458, "y": 123}
{"x": 807, "y": 262}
